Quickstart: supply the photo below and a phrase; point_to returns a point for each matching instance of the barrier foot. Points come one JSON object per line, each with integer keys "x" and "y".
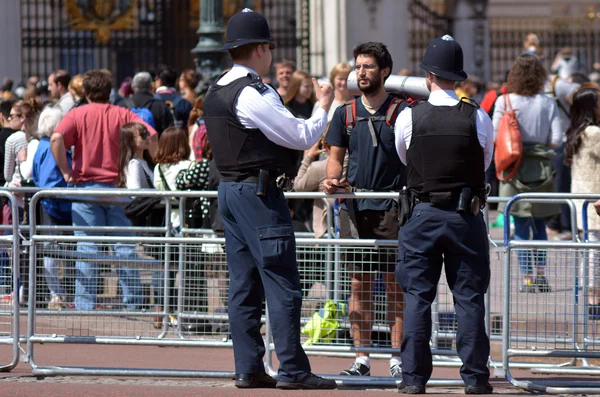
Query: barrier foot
{"x": 40, "y": 371}
{"x": 590, "y": 370}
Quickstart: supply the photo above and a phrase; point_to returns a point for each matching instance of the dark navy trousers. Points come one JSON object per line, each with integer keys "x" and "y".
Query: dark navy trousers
{"x": 261, "y": 257}
{"x": 433, "y": 237}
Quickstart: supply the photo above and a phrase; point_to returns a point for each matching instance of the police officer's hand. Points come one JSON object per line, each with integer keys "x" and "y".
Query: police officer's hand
{"x": 324, "y": 94}
{"x": 597, "y": 207}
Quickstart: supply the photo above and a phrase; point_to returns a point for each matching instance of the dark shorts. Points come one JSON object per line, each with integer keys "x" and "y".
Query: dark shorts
{"x": 370, "y": 224}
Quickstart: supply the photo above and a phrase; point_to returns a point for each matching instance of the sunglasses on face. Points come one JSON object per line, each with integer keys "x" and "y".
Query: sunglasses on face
{"x": 144, "y": 135}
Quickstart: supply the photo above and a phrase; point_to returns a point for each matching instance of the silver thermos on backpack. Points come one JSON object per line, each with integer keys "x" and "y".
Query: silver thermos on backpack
{"x": 414, "y": 87}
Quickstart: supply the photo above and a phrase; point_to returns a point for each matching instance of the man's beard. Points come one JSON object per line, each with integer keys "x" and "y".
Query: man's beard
{"x": 373, "y": 87}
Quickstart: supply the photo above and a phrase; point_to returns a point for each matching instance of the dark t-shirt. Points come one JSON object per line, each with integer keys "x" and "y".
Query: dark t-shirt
{"x": 300, "y": 110}
{"x": 4, "y": 134}
{"x": 376, "y": 168}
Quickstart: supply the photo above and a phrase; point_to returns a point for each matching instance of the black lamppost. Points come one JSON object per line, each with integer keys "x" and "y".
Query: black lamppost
{"x": 209, "y": 58}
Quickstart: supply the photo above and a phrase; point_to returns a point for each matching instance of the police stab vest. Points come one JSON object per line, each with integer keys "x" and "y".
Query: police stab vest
{"x": 444, "y": 153}
{"x": 239, "y": 152}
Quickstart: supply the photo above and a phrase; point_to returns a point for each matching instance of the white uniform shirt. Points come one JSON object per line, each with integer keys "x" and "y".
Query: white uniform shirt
{"x": 485, "y": 130}
{"x": 266, "y": 112}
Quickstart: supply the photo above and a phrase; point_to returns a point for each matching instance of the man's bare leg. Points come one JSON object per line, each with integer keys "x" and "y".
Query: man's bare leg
{"x": 395, "y": 316}
{"x": 361, "y": 320}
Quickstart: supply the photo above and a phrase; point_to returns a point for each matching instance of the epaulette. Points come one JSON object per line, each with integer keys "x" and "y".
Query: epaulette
{"x": 470, "y": 101}
{"x": 258, "y": 85}
{"x": 416, "y": 102}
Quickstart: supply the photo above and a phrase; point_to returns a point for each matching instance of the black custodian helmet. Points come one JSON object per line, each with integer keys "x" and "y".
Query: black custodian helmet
{"x": 247, "y": 27}
{"x": 444, "y": 58}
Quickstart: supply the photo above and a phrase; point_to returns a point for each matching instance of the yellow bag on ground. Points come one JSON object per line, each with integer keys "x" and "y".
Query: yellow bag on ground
{"x": 323, "y": 324}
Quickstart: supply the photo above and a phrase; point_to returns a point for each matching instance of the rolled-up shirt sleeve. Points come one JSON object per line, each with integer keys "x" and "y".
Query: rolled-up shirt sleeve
{"x": 267, "y": 113}
{"x": 485, "y": 134}
{"x": 403, "y": 133}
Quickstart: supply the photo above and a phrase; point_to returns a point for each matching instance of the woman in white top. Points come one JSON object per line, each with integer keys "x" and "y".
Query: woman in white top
{"x": 134, "y": 171}
{"x": 582, "y": 152}
{"x": 172, "y": 157}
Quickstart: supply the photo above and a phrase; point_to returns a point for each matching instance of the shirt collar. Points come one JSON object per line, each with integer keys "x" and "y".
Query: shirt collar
{"x": 164, "y": 88}
{"x": 242, "y": 70}
{"x": 443, "y": 94}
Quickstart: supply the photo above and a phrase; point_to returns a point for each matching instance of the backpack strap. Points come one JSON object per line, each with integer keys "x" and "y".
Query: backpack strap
{"x": 350, "y": 116}
{"x": 392, "y": 112}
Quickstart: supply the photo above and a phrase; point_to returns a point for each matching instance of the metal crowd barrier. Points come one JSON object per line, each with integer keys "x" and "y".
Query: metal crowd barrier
{"x": 10, "y": 247}
{"x": 554, "y": 324}
{"x": 182, "y": 296}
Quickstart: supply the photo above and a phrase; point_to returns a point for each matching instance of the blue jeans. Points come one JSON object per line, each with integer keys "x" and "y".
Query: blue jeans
{"x": 86, "y": 273}
{"x": 537, "y": 227}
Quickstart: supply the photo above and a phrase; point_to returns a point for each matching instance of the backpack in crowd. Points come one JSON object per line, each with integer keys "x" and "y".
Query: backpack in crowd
{"x": 143, "y": 112}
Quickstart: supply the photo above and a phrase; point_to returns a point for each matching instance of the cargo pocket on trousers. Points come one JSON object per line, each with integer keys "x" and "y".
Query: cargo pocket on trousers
{"x": 277, "y": 245}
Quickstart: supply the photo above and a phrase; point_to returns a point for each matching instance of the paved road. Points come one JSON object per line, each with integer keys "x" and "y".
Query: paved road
{"x": 20, "y": 382}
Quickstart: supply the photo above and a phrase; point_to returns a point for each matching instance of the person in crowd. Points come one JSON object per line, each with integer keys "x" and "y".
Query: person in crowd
{"x": 403, "y": 72}
{"x": 262, "y": 135}
{"x": 46, "y": 174}
{"x": 373, "y": 165}
{"x": 142, "y": 98}
{"x": 135, "y": 172}
{"x": 197, "y": 130}
{"x": 582, "y": 153}
{"x": 446, "y": 144}
{"x": 23, "y": 116}
{"x": 561, "y": 90}
{"x": 310, "y": 178}
{"x": 126, "y": 89}
{"x": 172, "y": 157}
{"x": 338, "y": 77}
{"x": 300, "y": 97}
{"x": 541, "y": 128}
{"x": 76, "y": 90}
{"x": 5, "y": 131}
{"x": 165, "y": 91}
{"x": 283, "y": 74}
{"x": 7, "y": 87}
{"x": 188, "y": 81}
{"x": 94, "y": 131}
{"x": 531, "y": 45}
{"x": 466, "y": 89}
{"x": 58, "y": 85}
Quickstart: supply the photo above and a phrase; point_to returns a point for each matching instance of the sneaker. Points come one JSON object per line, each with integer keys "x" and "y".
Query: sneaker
{"x": 357, "y": 369}
{"x": 396, "y": 371}
{"x": 310, "y": 382}
{"x": 404, "y": 389}
{"x": 56, "y": 303}
{"x": 479, "y": 389}
{"x": 254, "y": 381}
{"x": 542, "y": 284}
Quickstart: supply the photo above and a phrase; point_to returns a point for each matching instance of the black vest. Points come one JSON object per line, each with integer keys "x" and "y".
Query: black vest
{"x": 240, "y": 152}
{"x": 444, "y": 153}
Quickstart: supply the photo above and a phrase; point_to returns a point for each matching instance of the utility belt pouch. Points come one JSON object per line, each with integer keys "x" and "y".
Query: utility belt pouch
{"x": 262, "y": 183}
{"x": 406, "y": 206}
{"x": 440, "y": 199}
{"x": 475, "y": 205}
{"x": 464, "y": 201}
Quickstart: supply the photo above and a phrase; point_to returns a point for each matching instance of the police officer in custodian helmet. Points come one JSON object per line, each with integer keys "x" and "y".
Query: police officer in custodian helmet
{"x": 254, "y": 141}
{"x": 446, "y": 144}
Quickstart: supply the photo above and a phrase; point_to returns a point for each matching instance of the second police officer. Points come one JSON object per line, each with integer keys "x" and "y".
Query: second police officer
{"x": 446, "y": 144}
{"x": 253, "y": 138}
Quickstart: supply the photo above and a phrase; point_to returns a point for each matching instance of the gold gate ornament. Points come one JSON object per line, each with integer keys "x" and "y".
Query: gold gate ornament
{"x": 102, "y": 16}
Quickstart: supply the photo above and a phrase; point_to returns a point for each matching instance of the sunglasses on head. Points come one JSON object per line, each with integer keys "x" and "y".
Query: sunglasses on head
{"x": 144, "y": 135}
